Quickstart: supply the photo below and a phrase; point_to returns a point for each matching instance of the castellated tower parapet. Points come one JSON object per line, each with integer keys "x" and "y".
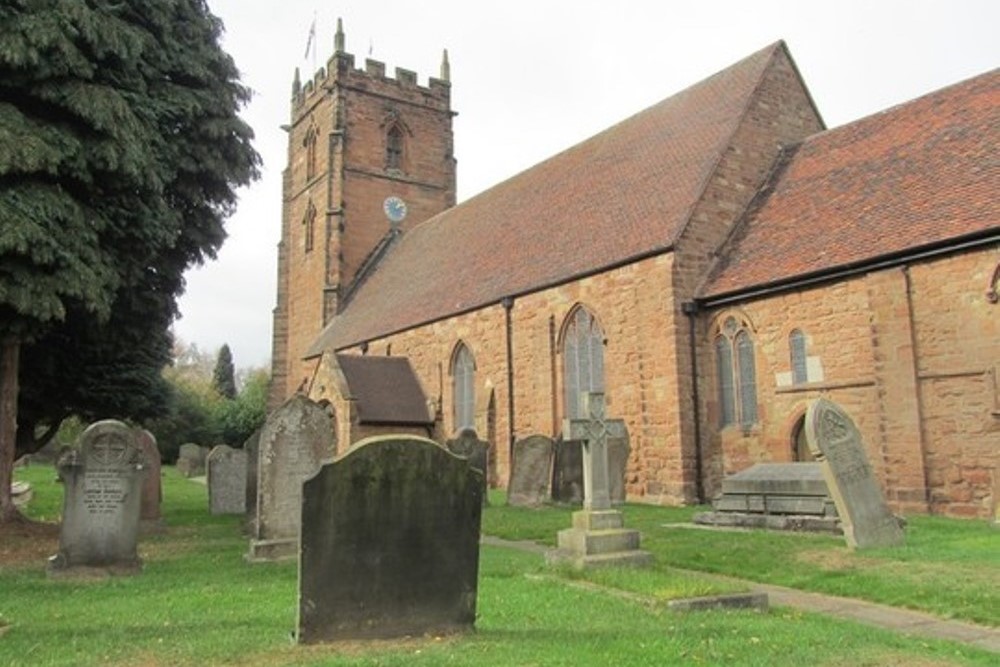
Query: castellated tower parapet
{"x": 368, "y": 155}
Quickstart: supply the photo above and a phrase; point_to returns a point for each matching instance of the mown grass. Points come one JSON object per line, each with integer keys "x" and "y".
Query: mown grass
{"x": 947, "y": 567}
{"x": 198, "y": 603}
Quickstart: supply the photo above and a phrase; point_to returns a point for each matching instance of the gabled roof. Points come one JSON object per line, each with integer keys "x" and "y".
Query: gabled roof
{"x": 385, "y": 390}
{"x": 922, "y": 175}
{"x": 621, "y": 195}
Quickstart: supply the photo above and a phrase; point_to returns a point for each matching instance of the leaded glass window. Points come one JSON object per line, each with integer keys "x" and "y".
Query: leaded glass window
{"x": 464, "y": 392}
{"x": 583, "y": 359}
{"x": 736, "y": 374}
{"x": 797, "y": 348}
{"x": 394, "y": 148}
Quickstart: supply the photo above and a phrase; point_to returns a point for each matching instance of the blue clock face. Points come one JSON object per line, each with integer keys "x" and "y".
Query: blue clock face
{"x": 395, "y": 208}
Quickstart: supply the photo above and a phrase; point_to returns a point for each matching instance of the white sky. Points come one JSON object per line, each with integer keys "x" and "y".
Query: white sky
{"x": 533, "y": 77}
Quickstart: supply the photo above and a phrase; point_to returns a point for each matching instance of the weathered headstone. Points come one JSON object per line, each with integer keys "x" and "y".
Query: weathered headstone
{"x": 191, "y": 460}
{"x": 296, "y": 440}
{"x": 252, "y": 448}
{"x": 227, "y": 480}
{"x": 102, "y": 482}
{"x": 531, "y": 472}
{"x": 567, "y": 471}
{"x": 619, "y": 451}
{"x": 152, "y": 489}
{"x": 598, "y": 536}
{"x": 468, "y": 445}
{"x": 836, "y": 443}
{"x": 389, "y": 543}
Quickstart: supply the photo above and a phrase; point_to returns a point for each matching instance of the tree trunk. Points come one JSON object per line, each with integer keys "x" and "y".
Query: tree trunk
{"x": 10, "y": 353}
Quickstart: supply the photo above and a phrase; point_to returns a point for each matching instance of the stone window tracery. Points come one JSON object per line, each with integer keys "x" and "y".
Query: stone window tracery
{"x": 583, "y": 359}
{"x": 394, "y": 145}
{"x": 309, "y": 224}
{"x": 736, "y": 374}
{"x": 310, "y": 145}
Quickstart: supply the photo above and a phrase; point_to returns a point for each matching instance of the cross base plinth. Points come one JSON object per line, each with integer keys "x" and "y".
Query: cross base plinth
{"x": 598, "y": 539}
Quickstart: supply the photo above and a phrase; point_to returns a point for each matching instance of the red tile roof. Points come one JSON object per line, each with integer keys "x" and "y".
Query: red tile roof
{"x": 621, "y": 195}
{"x": 917, "y": 175}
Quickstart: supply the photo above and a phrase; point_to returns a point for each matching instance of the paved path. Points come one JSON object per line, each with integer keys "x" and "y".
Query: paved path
{"x": 892, "y": 618}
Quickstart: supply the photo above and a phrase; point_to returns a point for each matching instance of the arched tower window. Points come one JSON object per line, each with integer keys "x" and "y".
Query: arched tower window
{"x": 394, "y": 148}
{"x": 583, "y": 359}
{"x": 463, "y": 372}
{"x": 310, "y": 145}
{"x": 309, "y": 225}
{"x": 797, "y": 350}
{"x": 737, "y": 374}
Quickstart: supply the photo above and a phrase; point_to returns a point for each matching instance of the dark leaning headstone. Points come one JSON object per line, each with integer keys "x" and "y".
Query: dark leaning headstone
{"x": 836, "y": 443}
{"x": 296, "y": 440}
{"x": 102, "y": 485}
{"x": 252, "y": 448}
{"x": 468, "y": 445}
{"x": 531, "y": 472}
{"x": 152, "y": 489}
{"x": 567, "y": 472}
{"x": 227, "y": 480}
{"x": 390, "y": 543}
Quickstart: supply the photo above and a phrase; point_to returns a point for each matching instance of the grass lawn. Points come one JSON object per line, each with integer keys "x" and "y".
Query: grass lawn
{"x": 948, "y": 567}
{"x": 197, "y": 602}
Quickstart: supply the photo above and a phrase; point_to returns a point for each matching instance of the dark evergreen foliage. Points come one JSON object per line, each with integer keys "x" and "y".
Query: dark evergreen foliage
{"x": 120, "y": 153}
{"x": 224, "y": 375}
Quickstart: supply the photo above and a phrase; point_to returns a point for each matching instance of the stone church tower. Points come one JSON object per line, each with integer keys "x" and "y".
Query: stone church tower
{"x": 369, "y": 156}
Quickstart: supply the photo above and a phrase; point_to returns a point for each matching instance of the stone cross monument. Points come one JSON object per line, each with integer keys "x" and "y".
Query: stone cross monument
{"x": 598, "y": 536}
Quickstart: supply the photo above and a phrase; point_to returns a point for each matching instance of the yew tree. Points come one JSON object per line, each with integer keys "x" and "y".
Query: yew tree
{"x": 121, "y": 150}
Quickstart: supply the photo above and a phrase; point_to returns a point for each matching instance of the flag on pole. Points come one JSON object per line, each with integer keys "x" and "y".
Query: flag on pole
{"x": 312, "y": 37}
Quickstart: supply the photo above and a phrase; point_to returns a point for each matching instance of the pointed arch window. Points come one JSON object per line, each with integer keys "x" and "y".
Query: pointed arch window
{"x": 797, "y": 350}
{"x": 737, "y": 374}
{"x": 394, "y": 148}
{"x": 463, "y": 372}
{"x": 583, "y": 359}
{"x": 309, "y": 227}
{"x": 310, "y": 145}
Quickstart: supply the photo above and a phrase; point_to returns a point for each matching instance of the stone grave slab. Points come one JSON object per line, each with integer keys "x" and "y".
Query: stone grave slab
{"x": 531, "y": 472}
{"x": 295, "y": 441}
{"x": 477, "y": 452}
{"x": 775, "y": 496}
{"x": 389, "y": 543}
{"x": 227, "y": 480}
{"x": 836, "y": 443}
{"x": 102, "y": 483}
{"x": 152, "y": 484}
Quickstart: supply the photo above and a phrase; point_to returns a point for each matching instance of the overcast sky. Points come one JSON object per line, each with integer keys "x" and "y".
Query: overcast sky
{"x": 533, "y": 77}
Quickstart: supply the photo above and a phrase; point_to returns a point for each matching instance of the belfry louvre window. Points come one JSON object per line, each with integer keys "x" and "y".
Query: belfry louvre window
{"x": 463, "y": 372}
{"x": 310, "y": 145}
{"x": 394, "y": 148}
{"x": 583, "y": 359}
{"x": 737, "y": 375}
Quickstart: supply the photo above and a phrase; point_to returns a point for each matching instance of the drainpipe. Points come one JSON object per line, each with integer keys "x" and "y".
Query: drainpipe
{"x": 508, "y": 305}
{"x": 690, "y": 308}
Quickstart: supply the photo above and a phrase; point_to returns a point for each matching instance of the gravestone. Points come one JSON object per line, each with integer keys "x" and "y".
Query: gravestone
{"x": 775, "y": 496}
{"x": 531, "y": 472}
{"x": 227, "y": 480}
{"x": 619, "y": 451}
{"x": 152, "y": 488}
{"x": 295, "y": 441}
{"x": 836, "y": 443}
{"x": 567, "y": 471}
{"x": 102, "y": 484}
{"x": 598, "y": 536}
{"x": 252, "y": 448}
{"x": 191, "y": 460}
{"x": 389, "y": 543}
{"x": 468, "y": 445}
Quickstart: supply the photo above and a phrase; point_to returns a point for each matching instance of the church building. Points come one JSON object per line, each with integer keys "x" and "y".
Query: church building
{"x": 713, "y": 264}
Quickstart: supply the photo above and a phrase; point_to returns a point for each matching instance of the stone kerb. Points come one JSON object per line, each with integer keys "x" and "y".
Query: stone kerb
{"x": 102, "y": 482}
{"x": 836, "y": 443}
{"x": 227, "y": 480}
{"x": 390, "y": 543}
{"x": 295, "y": 441}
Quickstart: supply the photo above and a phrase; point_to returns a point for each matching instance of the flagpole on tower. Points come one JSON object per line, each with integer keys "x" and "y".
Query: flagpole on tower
{"x": 311, "y": 43}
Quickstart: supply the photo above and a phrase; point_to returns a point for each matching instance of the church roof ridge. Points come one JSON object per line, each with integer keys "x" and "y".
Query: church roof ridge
{"x": 563, "y": 218}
